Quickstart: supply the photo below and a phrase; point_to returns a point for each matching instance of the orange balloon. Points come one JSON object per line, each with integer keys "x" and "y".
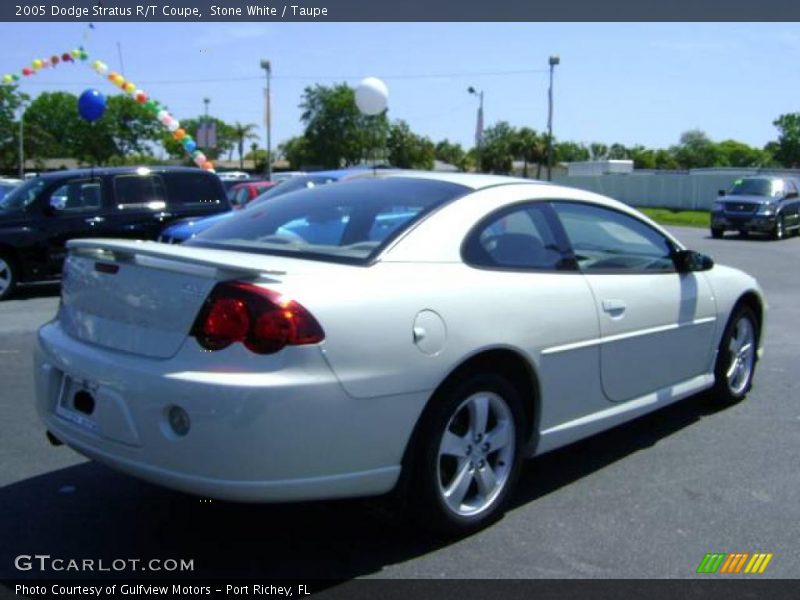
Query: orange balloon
{"x": 179, "y": 134}
{"x": 208, "y": 166}
{"x": 112, "y": 77}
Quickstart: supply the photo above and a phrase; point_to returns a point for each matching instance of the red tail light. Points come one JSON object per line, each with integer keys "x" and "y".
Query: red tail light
{"x": 257, "y": 317}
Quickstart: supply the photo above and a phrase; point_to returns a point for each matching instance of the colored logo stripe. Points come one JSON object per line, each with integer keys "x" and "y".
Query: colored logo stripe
{"x": 759, "y": 562}
{"x": 723, "y": 563}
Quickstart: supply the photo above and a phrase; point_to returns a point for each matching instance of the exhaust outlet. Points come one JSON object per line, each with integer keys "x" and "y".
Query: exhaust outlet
{"x": 54, "y": 441}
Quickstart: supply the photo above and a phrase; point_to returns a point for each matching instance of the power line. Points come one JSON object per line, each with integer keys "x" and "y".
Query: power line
{"x": 310, "y": 77}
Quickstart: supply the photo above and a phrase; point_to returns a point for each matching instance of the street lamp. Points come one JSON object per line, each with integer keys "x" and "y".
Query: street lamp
{"x": 267, "y": 66}
{"x": 204, "y": 141}
{"x": 478, "y": 126}
{"x": 554, "y": 60}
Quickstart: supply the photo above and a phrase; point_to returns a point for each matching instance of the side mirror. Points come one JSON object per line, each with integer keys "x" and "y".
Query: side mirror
{"x": 720, "y": 193}
{"x": 688, "y": 261}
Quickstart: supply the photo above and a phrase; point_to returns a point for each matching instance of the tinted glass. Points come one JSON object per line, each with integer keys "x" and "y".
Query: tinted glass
{"x": 138, "y": 190}
{"x": 752, "y": 187}
{"x": 520, "y": 238}
{"x": 22, "y": 196}
{"x": 346, "y": 222}
{"x": 605, "y": 240}
{"x": 302, "y": 182}
{"x": 194, "y": 189}
{"x": 78, "y": 195}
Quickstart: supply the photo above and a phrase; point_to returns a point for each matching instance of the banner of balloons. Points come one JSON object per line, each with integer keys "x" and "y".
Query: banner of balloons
{"x": 91, "y": 104}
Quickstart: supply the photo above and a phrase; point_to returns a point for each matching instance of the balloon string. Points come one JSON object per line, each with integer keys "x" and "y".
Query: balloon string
{"x": 155, "y": 108}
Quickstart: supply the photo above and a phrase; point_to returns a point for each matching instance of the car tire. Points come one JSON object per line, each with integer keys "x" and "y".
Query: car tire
{"x": 8, "y": 276}
{"x": 737, "y": 357}
{"x": 467, "y": 455}
{"x": 780, "y": 229}
{"x": 717, "y": 233}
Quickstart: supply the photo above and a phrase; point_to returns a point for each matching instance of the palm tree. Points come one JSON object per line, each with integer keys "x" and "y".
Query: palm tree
{"x": 531, "y": 148}
{"x": 241, "y": 134}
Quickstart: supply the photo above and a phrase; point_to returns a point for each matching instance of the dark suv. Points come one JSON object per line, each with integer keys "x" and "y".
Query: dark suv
{"x": 766, "y": 204}
{"x": 37, "y": 218}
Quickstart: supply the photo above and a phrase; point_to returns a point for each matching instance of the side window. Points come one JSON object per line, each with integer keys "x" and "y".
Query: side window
{"x": 78, "y": 195}
{"x": 139, "y": 191}
{"x": 791, "y": 188}
{"x": 194, "y": 189}
{"x": 605, "y": 240}
{"x": 517, "y": 238}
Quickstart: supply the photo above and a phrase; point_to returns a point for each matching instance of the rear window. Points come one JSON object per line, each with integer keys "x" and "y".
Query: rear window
{"x": 345, "y": 222}
{"x": 138, "y": 191}
{"x": 194, "y": 189}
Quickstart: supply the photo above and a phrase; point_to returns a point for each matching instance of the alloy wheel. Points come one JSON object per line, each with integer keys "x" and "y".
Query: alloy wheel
{"x": 742, "y": 356}
{"x": 6, "y": 277}
{"x": 476, "y": 454}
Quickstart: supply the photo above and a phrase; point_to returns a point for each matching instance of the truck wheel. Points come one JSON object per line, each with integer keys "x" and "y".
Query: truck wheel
{"x": 8, "y": 276}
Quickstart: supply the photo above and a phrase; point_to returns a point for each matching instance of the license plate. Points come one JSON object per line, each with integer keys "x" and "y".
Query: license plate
{"x": 65, "y": 405}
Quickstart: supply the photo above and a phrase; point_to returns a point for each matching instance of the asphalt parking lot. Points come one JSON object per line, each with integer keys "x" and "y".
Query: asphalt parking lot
{"x": 646, "y": 500}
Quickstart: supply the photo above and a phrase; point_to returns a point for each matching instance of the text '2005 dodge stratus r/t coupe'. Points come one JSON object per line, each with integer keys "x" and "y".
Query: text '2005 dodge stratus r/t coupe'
{"x": 420, "y": 333}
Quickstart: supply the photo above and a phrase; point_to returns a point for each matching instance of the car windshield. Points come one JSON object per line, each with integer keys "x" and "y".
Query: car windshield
{"x": 19, "y": 198}
{"x": 752, "y": 187}
{"x": 350, "y": 222}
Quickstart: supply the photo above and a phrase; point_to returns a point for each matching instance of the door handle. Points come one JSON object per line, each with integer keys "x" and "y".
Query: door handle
{"x": 94, "y": 220}
{"x": 162, "y": 215}
{"x": 614, "y": 307}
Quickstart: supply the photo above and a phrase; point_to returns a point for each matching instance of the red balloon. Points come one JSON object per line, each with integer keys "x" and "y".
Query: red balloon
{"x": 141, "y": 97}
{"x": 54, "y": 59}
{"x": 66, "y": 57}
{"x": 26, "y": 71}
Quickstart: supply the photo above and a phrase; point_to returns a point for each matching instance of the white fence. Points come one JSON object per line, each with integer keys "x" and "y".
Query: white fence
{"x": 695, "y": 189}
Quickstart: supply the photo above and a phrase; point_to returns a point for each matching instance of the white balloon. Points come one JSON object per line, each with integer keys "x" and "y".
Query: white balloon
{"x": 372, "y": 95}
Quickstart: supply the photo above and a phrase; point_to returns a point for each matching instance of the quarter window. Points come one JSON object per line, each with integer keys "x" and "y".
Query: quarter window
{"x": 517, "y": 238}
{"x": 607, "y": 241}
{"x": 139, "y": 191}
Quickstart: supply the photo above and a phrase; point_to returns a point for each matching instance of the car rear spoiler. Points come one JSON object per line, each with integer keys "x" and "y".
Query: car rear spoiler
{"x": 227, "y": 263}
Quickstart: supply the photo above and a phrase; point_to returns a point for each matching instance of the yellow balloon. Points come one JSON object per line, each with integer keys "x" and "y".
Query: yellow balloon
{"x": 37, "y": 64}
{"x": 129, "y": 88}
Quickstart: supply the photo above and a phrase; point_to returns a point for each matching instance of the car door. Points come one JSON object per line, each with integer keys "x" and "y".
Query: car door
{"x": 139, "y": 206}
{"x": 75, "y": 208}
{"x": 656, "y": 325}
{"x": 791, "y": 202}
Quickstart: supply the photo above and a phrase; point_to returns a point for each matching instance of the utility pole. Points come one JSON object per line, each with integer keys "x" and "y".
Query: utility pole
{"x": 206, "y": 127}
{"x": 478, "y": 128}
{"x": 267, "y": 66}
{"x": 554, "y": 60}
{"x": 21, "y": 142}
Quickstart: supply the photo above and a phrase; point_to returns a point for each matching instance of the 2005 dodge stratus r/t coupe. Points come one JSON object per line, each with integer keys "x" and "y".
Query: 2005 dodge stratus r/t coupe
{"x": 421, "y": 332}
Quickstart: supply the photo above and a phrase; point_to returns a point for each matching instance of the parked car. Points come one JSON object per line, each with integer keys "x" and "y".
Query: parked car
{"x": 763, "y": 204}
{"x": 233, "y": 175}
{"x": 188, "y": 228}
{"x": 489, "y": 320}
{"x": 38, "y": 217}
{"x": 242, "y": 193}
{"x": 284, "y": 175}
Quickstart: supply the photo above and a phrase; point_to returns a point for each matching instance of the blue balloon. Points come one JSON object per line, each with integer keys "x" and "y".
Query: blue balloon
{"x": 91, "y": 105}
{"x": 190, "y": 146}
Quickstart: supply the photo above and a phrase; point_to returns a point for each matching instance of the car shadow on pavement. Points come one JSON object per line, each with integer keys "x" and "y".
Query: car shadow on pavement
{"x": 39, "y": 290}
{"x": 90, "y": 511}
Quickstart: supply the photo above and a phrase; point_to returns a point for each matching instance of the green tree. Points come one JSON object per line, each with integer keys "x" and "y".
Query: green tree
{"x": 258, "y": 156}
{"x": 599, "y": 151}
{"x": 408, "y": 150}
{"x": 530, "y": 148}
{"x": 10, "y": 102}
{"x": 569, "y": 152}
{"x": 336, "y": 132}
{"x": 497, "y": 149}
{"x": 451, "y": 153}
{"x": 643, "y": 158}
{"x": 243, "y": 133}
{"x": 618, "y": 152}
{"x": 696, "y": 150}
{"x": 295, "y": 150}
{"x": 738, "y": 154}
{"x": 787, "y": 151}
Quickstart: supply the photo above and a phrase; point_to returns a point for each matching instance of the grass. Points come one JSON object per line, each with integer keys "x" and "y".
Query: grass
{"x": 686, "y": 218}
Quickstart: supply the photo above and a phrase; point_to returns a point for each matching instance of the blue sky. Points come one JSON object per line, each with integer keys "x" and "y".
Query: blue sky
{"x": 617, "y": 82}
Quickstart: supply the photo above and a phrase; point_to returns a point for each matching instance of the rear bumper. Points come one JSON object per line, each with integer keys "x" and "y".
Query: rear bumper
{"x": 287, "y": 434}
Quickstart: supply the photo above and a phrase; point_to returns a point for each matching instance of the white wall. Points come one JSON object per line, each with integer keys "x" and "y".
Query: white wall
{"x": 695, "y": 189}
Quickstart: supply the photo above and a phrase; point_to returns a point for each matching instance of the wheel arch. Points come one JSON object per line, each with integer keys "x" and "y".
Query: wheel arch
{"x": 752, "y": 300}
{"x": 507, "y": 361}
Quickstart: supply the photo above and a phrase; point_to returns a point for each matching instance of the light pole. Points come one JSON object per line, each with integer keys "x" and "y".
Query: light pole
{"x": 21, "y": 142}
{"x": 554, "y": 60}
{"x": 478, "y": 126}
{"x": 267, "y": 66}
{"x": 206, "y": 128}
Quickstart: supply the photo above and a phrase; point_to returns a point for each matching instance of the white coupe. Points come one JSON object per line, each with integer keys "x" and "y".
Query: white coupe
{"x": 420, "y": 333}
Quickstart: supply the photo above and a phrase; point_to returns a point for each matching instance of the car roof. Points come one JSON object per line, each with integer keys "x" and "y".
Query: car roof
{"x": 99, "y": 171}
{"x": 475, "y": 181}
